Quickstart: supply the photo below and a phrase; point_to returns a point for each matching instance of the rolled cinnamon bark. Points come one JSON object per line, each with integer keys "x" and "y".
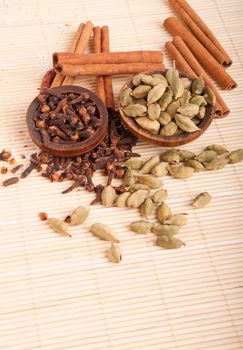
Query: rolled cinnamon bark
{"x": 202, "y": 25}
{"x": 97, "y": 49}
{"x": 203, "y": 56}
{"x": 199, "y": 34}
{"x": 107, "y": 69}
{"x": 47, "y": 79}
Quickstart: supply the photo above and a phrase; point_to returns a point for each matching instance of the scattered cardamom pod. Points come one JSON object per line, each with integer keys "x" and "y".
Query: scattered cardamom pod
{"x": 137, "y": 198}
{"x": 209, "y": 96}
{"x": 156, "y": 92}
{"x": 164, "y": 118}
{"x": 195, "y": 164}
{"x": 141, "y": 226}
{"x": 58, "y": 226}
{"x": 236, "y": 156}
{"x": 185, "y": 123}
{"x": 135, "y": 110}
{"x": 201, "y": 114}
{"x": 137, "y": 79}
{"x": 147, "y": 208}
{"x": 198, "y": 85}
{"x": 108, "y": 196}
{"x": 78, "y": 216}
{"x": 172, "y": 108}
{"x": 121, "y": 201}
{"x": 135, "y": 163}
{"x": 151, "y": 125}
{"x": 169, "y": 129}
{"x": 129, "y": 178}
{"x": 141, "y": 91}
{"x": 185, "y": 155}
{"x": 187, "y": 83}
{"x": 219, "y": 149}
{"x": 180, "y": 171}
{"x": 206, "y": 156}
{"x": 168, "y": 230}
{"x": 177, "y": 87}
{"x": 166, "y": 99}
{"x": 160, "y": 196}
{"x": 114, "y": 253}
{"x": 163, "y": 212}
{"x": 125, "y": 97}
{"x": 150, "y": 164}
{"x": 171, "y": 74}
{"x": 103, "y": 232}
{"x": 201, "y": 200}
{"x": 170, "y": 156}
{"x": 216, "y": 164}
{"x": 137, "y": 187}
{"x": 168, "y": 242}
{"x": 154, "y": 111}
{"x": 160, "y": 170}
{"x": 189, "y": 110}
{"x": 198, "y": 100}
{"x": 150, "y": 181}
{"x": 177, "y": 219}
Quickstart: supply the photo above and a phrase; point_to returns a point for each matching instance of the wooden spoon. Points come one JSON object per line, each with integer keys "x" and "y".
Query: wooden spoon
{"x": 68, "y": 149}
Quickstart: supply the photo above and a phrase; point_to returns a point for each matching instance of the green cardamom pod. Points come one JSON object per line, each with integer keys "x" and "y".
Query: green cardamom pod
{"x": 177, "y": 87}
{"x": 180, "y": 171}
{"x": 219, "y": 149}
{"x": 169, "y": 129}
{"x": 58, "y": 226}
{"x": 108, "y": 196}
{"x": 137, "y": 187}
{"x": 196, "y": 121}
{"x": 236, "y": 156}
{"x": 141, "y": 101}
{"x": 158, "y": 79}
{"x": 198, "y": 100}
{"x": 150, "y": 181}
{"x": 185, "y": 98}
{"x": 177, "y": 219}
{"x": 137, "y": 79}
{"x": 169, "y": 242}
{"x": 134, "y": 163}
{"x": 187, "y": 83}
{"x": 103, "y": 232}
{"x": 160, "y": 196}
{"x": 201, "y": 114}
{"x": 216, "y": 164}
{"x": 160, "y": 170}
{"x": 172, "y": 108}
{"x": 198, "y": 85}
{"x": 189, "y": 110}
{"x": 163, "y": 212}
{"x": 141, "y": 226}
{"x": 78, "y": 216}
{"x": 147, "y": 208}
{"x": 185, "y": 155}
{"x": 209, "y": 96}
{"x": 170, "y": 156}
{"x": 171, "y": 74}
{"x": 141, "y": 91}
{"x": 164, "y": 118}
{"x": 168, "y": 230}
{"x": 155, "y": 93}
{"x": 121, "y": 201}
{"x": 125, "y": 97}
{"x": 201, "y": 200}
{"x": 185, "y": 123}
{"x": 154, "y": 111}
{"x": 147, "y": 79}
{"x": 135, "y": 110}
{"x": 166, "y": 99}
{"x": 206, "y": 156}
{"x": 129, "y": 178}
{"x": 137, "y": 198}
{"x": 114, "y": 253}
{"x": 152, "y": 126}
{"x": 195, "y": 164}
{"x": 150, "y": 164}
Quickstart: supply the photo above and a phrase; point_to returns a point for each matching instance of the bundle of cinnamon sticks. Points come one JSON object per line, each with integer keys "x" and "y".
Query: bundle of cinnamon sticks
{"x": 197, "y": 52}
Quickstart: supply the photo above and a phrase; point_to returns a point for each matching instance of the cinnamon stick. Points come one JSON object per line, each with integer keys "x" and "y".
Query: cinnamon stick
{"x": 47, "y": 79}
{"x": 81, "y": 46}
{"x": 97, "y": 49}
{"x": 202, "y": 25}
{"x": 107, "y": 69}
{"x": 203, "y": 56}
{"x": 105, "y": 47}
{"x": 59, "y": 78}
{"x": 198, "y": 33}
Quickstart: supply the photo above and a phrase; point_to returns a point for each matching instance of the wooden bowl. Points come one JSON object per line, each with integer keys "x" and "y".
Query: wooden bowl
{"x": 166, "y": 141}
{"x": 75, "y": 148}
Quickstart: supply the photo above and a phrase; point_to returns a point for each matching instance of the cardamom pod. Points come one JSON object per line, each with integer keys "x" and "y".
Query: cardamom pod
{"x": 171, "y": 74}
{"x": 147, "y": 79}
{"x": 114, "y": 253}
{"x": 141, "y": 101}
{"x": 58, "y": 226}
{"x": 216, "y": 164}
{"x": 206, "y": 156}
{"x": 185, "y": 98}
{"x": 219, "y": 149}
{"x": 209, "y": 96}
{"x": 137, "y": 187}
{"x": 137, "y": 79}
{"x": 198, "y": 85}
{"x": 129, "y": 178}
{"x": 187, "y": 83}
{"x": 195, "y": 164}
{"x": 147, "y": 208}
{"x": 170, "y": 156}
{"x": 198, "y": 100}
{"x": 160, "y": 170}
{"x": 158, "y": 79}
{"x": 196, "y": 121}
{"x": 169, "y": 129}
{"x": 141, "y": 226}
{"x": 236, "y": 156}
{"x": 156, "y": 92}
{"x": 177, "y": 219}
{"x": 169, "y": 242}
{"x": 150, "y": 181}
{"x": 177, "y": 87}
{"x": 150, "y": 164}
{"x": 160, "y": 196}
{"x": 172, "y": 108}
{"x": 121, "y": 201}
{"x": 189, "y": 110}
{"x": 163, "y": 212}
{"x": 201, "y": 200}
{"x": 185, "y": 123}
{"x": 103, "y": 232}
{"x": 135, "y": 110}
{"x": 125, "y": 97}
{"x": 154, "y": 111}
{"x": 141, "y": 91}
{"x": 108, "y": 196}
{"x": 168, "y": 230}
{"x": 180, "y": 171}
{"x": 151, "y": 125}
{"x": 166, "y": 99}
{"x": 78, "y": 216}
{"x": 164, "y": 118}
{"x": 134, "y": 163}
{"x": 137, "y": 198}
{"x": 185, "y": 155}
{"x": 201, "y": 114}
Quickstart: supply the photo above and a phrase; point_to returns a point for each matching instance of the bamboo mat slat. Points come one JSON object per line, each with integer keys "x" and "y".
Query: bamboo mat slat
{"x": 63, "y": 294}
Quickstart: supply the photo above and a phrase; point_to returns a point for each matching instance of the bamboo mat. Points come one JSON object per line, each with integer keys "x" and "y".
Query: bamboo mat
{"x": 60, "y": 294}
